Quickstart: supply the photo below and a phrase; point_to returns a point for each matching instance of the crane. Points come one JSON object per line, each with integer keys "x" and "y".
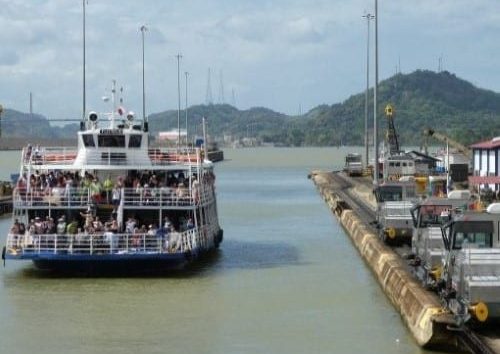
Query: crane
{"x": 391, "y": 135}
{"x": 447, "y": 140}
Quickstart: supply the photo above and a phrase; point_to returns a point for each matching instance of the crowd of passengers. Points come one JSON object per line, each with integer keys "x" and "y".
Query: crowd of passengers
{"x": 79, "y": 231}
{"x": 142, "y": 187}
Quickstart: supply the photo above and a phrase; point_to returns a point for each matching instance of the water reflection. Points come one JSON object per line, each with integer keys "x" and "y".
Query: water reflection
{"x": 236, "y": 254}
{"x": 258, "y": 255}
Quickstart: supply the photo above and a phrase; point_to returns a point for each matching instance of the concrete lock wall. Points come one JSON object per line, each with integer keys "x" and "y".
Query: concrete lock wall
{"x": 419, "y": 308}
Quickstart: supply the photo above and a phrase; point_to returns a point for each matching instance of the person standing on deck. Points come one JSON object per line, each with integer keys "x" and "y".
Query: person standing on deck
{"x": 107, "y": 186}
{"x": 95, "y": 190}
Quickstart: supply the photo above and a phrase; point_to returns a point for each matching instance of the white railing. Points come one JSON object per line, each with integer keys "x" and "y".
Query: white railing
{"x": 111, "y": 243}
{"x": 110, "y": 157}
{"x": 49, "y": 155}
{"x": 132, "y": 197}
{"x": 167, "y": 196}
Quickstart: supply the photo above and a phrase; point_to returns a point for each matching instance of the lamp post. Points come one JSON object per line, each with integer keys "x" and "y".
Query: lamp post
{"x": 1, "y": 111}
{"x": 368, "y": 18}
{"x": 179, "y": 56}
{"x": 375, "y": 124}
{"x": 143, "y": 30}
{"x": 186, "y": 111}
{"x": 84, "y": 83}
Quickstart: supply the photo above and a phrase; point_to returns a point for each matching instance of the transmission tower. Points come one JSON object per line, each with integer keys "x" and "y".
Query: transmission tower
{"x": 233, "y": 98}
{"x": 221, "y": 88}
{"x": 208, "y": 98}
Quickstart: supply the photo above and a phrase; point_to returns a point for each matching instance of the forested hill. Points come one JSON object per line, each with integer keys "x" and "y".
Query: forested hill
{"x": 440, "y": 101}
{"x": 422, "y": 99}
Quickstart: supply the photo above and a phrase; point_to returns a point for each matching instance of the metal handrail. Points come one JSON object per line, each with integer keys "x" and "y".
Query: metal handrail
{"x": 109, "y": 156}
{"x": 108, "y": 243}
{"x": 82, "y": 197}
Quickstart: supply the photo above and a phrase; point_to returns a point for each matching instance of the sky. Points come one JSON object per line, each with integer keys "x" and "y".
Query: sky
{"x": 288, "y": 56}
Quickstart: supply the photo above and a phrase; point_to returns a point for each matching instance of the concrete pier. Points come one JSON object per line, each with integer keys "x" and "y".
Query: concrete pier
{"x": 420, "y": 309}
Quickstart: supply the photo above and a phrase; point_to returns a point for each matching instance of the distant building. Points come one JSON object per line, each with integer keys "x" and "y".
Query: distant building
{"x": 171, "y": 135}
{"x": 486, "y": 164}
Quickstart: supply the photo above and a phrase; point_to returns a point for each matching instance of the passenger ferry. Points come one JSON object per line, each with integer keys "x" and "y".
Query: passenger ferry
{"x": 114, "y": 202}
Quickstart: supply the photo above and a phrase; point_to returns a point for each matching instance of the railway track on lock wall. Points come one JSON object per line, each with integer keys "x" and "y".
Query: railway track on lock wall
{"x": 466, "y": 337}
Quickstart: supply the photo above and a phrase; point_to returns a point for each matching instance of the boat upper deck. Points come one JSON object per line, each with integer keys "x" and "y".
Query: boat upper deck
{"x": 52, "y": 158}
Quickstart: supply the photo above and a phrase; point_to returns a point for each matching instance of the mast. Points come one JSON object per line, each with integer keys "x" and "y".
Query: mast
{"x": 205, "y": 150}
{"x": 113, "y": 100}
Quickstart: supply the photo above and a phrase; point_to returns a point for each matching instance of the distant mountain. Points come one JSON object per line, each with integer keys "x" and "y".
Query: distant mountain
{"x": 15, "y": 124}
{"x": 421, "y": 99}
{"x": 223, "y": 119}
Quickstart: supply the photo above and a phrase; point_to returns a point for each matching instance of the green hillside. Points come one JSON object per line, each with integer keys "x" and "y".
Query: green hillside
{"x": 421, "y": 99}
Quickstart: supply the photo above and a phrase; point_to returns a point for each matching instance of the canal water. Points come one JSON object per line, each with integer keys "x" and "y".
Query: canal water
{"x": 286, "y": 280}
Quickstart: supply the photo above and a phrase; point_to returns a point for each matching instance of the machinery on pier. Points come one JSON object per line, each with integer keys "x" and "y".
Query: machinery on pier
{"x": 396, "y": 163}
{"x": 353, "y": 165}
{"x": 394, "y": 202}
{"x": 427, "y": 241}
{"x": 447, "y": 140}
{"x": 391, "y": 134}
{"x": 470, "y": 279}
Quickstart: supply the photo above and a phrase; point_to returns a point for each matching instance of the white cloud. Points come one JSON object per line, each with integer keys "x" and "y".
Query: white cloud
{"x": 274, "y": 53}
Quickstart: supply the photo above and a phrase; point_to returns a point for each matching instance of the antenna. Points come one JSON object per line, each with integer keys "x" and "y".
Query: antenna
{"x": 221, "y": 88}
{"x": 233, "y": 98}
{"x": 208, "y": 98}
{"x": 113, "y": 100}
{"x": 440, "y": 64}
{"x": 31, "y": 103}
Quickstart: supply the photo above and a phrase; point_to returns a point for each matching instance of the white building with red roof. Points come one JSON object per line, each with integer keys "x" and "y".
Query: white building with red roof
{"x": 486, "y": 164}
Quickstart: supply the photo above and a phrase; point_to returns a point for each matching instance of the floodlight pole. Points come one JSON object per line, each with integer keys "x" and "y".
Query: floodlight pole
{"x": 368, "y": 17}
{"x": 186, "y": 111}
{"x": 143, "y": 30}
{"x": 84, "y": 78}
{"x": 375, "y": 87}
{"x": 179, "y": 56}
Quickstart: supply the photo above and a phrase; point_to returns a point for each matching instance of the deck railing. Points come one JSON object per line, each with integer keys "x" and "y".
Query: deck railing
{"x": 111, "y": 157}
{"x": 111, "y": 243}
{"x": 132, "y": 197}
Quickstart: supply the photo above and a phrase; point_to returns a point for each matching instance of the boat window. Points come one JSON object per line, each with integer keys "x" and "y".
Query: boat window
{"x": 398, "y": 164}
{"x": 111, "y": 140}
{"x": 391, "y": 164}
{"x": 88, "y": 140}
{"x": 476, "y": 234}
{"x": 404, "y": 164}
{"x": 134, "y": 141}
